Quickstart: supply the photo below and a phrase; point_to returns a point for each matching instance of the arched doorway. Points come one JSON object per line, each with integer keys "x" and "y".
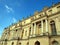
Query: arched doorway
{"x": 53, "y": 28}
{"x": 55, "y": 43}
{"x": 37, "y": 43}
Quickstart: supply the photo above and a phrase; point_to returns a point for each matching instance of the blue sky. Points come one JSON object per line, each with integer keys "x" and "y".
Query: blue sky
{"x": 13, "y": 10}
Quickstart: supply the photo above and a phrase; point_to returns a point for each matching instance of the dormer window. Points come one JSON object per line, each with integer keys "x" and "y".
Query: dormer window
{"x": 58, "y": 7}
{"x": 50, "y": 11}
{"x": 40, "y": 15}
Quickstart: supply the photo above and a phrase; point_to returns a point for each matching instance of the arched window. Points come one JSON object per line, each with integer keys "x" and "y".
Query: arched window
{"x": 19, "y": 43}
{"x": 53, "y": 28}
{"x": 12, "y": 43}
{"x": 55, "y": 43}
{"x": 37, "y": 43}
{"x": 27, "y": 43}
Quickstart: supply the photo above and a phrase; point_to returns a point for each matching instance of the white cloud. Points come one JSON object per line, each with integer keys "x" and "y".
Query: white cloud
{"x": 14, "y": 20}
{"x": 9, "y": 9}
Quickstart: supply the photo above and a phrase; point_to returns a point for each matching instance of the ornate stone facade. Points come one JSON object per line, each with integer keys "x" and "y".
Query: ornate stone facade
{"x": 43, "y": 28}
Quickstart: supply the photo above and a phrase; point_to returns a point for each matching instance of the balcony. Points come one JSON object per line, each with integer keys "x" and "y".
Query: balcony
{"x": 43, "y": 34}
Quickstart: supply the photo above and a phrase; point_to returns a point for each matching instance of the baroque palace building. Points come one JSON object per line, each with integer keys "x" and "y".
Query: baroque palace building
{"x": 43, "y": 28}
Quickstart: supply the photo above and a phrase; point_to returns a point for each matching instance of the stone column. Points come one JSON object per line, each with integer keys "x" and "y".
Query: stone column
{"x": 31, "y": 29}
{"x": 42, "y": 26}
{"x": 46, "y": 25}
{"x": 34, "y": 29}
